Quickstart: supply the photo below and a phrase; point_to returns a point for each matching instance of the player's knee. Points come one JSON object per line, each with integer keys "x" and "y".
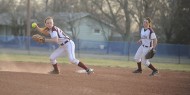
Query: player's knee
{"x": 146, "y": 63}
{"x": 137, "y": 60}
{"x": 52, "y": 60}
{"x": 74, "y": 61}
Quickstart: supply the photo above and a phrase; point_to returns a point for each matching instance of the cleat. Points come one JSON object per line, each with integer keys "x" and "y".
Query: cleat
{"x": 89, "y": 71}
{"x": 54, "y": 72}
{"x": 154, "y": 73}
{"x": 137, "y": 71}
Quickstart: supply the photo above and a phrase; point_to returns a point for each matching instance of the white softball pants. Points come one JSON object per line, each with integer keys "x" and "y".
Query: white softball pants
{"x": 69, "y": 49}
{"x": 140, "y": 55}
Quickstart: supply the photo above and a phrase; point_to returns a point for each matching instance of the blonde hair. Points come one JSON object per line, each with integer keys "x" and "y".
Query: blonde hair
{"x": 48, "y": 18}
{"x": 149, "y": 21}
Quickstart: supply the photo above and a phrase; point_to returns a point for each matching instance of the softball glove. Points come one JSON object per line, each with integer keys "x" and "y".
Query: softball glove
{"x": 150, "y": 54}
{"x": 38, "y": 38}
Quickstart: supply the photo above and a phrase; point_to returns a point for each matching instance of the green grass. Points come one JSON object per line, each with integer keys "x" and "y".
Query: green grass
{"x": 131, "y": 64}
{"x": 90, "y": 61}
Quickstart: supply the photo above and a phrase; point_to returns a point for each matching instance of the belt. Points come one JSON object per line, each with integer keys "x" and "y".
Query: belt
{"x": 145, "y": 46}
{"x": 64, "y": 43}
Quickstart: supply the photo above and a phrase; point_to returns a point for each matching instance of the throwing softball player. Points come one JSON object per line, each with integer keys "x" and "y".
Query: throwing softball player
{"x": 66, "y": 45}
{"x": 148, "y": 41}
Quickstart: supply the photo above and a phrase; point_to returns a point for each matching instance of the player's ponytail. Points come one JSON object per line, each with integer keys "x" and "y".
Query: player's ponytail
{"x": 149, "y": 21}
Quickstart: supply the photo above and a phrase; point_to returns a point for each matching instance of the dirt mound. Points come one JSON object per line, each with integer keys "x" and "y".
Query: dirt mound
{"x": 32, "y": 79}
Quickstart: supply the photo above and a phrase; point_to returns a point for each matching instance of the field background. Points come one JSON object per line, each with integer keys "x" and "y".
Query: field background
{"x": 90, "y": 61}
{"x": 26, "y": 73}
{"x": 105, "y": 35}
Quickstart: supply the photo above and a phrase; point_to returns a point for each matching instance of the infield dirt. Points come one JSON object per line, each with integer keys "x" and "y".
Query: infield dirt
{"x": 18, "y": 78}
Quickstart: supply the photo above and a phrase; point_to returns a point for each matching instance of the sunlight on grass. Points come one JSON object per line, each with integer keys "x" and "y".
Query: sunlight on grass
{"x": 90, "y": 61}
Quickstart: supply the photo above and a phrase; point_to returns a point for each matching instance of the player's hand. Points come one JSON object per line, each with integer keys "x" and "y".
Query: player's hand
{"x": 34, "y": 25}
{"x": 139, "y": 42}
{"x": 154, "y": 50}
{"x": 38, "y": 38}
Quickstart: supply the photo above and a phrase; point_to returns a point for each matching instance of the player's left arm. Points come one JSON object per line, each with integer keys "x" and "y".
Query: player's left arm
{"x": 155, "y": 41}
{"x": 54, "y": 38}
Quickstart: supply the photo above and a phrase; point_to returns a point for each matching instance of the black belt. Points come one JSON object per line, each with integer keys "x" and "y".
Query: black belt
{"x": 64, "y": 43}
{"x": 145, "y": 46}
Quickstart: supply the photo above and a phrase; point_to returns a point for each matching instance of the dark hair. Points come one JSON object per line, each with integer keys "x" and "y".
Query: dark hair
{"x": 47, "y": 19}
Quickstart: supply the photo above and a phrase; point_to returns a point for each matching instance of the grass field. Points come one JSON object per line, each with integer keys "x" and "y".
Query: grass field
{"x": 90, "y": 61}
{"x": 23, "y": 74}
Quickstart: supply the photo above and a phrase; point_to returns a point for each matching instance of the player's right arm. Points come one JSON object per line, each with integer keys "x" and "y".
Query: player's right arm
{"x": 43, "y": 30}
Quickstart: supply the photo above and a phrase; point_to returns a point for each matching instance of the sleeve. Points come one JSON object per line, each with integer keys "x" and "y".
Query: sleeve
{"x": 54, "y": 34}
{"x": 153, "y": 36}
{"x": 141, "y": 32}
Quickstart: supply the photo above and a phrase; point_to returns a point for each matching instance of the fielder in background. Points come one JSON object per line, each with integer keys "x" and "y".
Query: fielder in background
{"x": 66, "y": 45}
{"x": 148, "y": 42}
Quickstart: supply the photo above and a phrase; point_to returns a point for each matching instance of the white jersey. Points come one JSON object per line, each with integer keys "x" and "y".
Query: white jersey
{"x": 57, "y": 32}
{"x": 147, "y": 35}
{"x": 66, "y": 46}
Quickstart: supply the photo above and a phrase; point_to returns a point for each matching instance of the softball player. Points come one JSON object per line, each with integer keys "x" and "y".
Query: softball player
{"x": 148, "y": 41}
{"x": 66, "y": 45}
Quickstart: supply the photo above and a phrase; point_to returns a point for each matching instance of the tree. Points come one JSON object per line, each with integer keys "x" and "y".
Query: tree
{"x": 174, "y": 21}
{"x": 113, "y": 11}
{"x": 168, "y": 17}
{"x": 181, "y": 23}
{"x": 144, "y": 8}
{"x": 4, "y": 4}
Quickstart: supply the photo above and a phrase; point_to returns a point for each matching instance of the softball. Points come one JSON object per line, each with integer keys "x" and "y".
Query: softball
{"x": 34, "y": 25}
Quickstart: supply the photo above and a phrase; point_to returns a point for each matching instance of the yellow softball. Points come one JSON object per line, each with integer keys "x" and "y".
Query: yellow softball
{"x": 34, "y": 25}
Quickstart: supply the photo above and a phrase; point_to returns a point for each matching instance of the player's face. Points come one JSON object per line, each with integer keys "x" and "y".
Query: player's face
{"x": 145, "y": 24}
{"x": 49, "y": 23}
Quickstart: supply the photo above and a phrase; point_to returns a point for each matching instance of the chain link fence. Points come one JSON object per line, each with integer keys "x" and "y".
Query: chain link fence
{"x": 166, "y": 53}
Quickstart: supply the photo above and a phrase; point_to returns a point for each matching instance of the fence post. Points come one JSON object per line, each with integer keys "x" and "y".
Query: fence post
{"x": 179, "y": 54}
{"x": 129, "y": 45}
{"x": 189, "y": 51}
{"x": 108, "y": 47}
{"x": 78, "y": 48}
{"x": 28, "y": 26}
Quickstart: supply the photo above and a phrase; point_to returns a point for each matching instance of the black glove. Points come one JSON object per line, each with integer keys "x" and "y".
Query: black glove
{"x": 150, "y": 54}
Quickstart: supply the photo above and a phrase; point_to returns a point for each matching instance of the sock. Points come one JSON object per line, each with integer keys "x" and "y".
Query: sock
{"x": 55, "y": 67}
{"x": 139, "y": 66}
{"x": 152, "y": 67}
{"x": 82, "y": 66}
